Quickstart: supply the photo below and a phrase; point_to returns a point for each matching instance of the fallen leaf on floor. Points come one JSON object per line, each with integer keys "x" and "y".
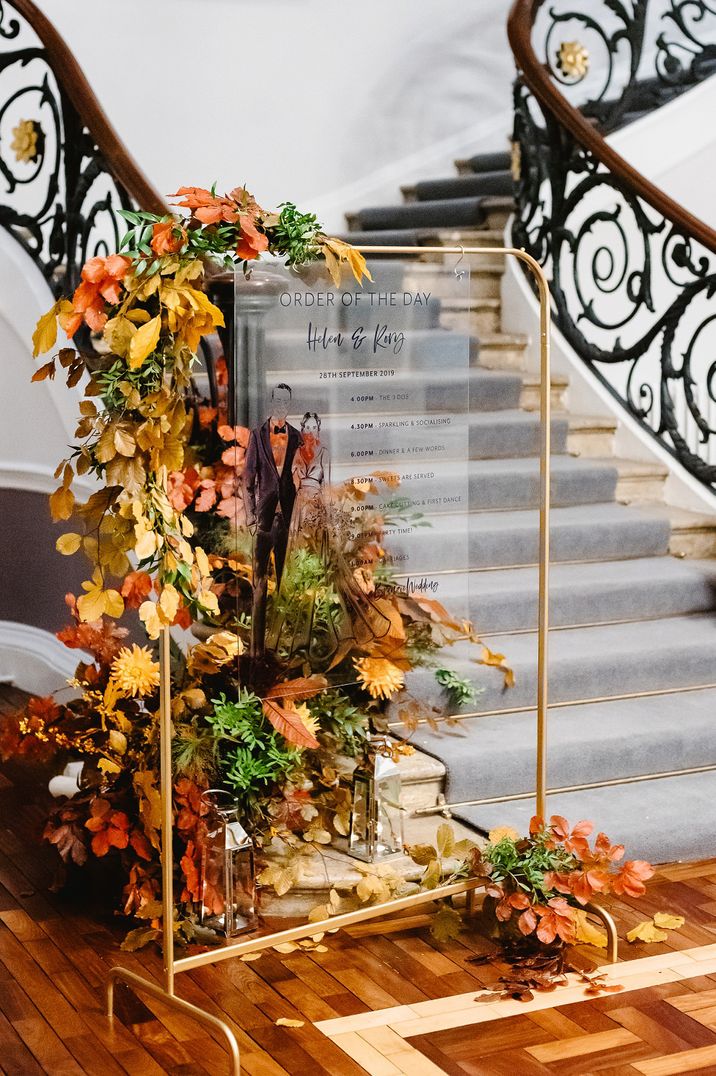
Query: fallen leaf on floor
{"x": 286, "y": 947}
{"x": 597, "y": 984}
{"x": 667, "y": 921}
{"x": 284, "y": 1021}
{"x": 248, "y": 957}
{"x": 647, "y": 932}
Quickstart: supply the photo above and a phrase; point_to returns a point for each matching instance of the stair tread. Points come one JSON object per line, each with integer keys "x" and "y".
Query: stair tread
{"x": 642, "y": 816}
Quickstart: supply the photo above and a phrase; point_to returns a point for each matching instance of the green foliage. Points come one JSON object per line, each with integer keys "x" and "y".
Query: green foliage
{"x": 338, "y": 717}
{"x": 296, "y": 235}
{"x": 254, "y": 757}
{"x": 146, "y": 379}
{"x": 522, "y": 863}
{"x": 459, "y": 690}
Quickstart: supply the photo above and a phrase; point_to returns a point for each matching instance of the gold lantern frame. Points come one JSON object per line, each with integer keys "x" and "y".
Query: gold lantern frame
{"x": 173, "y": 965}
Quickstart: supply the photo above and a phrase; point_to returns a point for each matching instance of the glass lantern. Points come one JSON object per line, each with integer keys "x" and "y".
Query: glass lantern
{"x": 228, "y": 876}
{"x": 376, "y": 819}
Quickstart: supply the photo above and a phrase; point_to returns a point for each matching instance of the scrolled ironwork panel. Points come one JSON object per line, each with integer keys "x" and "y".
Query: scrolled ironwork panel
{"x": 634, "y": 295}
{"x": 59, "y": 196}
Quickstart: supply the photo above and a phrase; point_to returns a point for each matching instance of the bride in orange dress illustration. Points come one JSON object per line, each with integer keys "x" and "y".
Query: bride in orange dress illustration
{"x": 318, "y": 611}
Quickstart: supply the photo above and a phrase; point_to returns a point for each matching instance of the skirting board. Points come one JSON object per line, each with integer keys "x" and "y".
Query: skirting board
{"x": 33, "y": 659}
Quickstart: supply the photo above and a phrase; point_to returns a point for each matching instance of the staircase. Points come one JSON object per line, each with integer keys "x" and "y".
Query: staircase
{"x": 633, "y": 593}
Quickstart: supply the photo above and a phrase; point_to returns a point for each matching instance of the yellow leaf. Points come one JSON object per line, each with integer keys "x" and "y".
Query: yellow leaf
{"x": 113, "y": 603}
{"x": 283, "y": 1021}
{"x": 248, "y": 957}
{"x": 62, "y": 503}
{"x": 90, "y": 606}
{"x": 446, "y": 924}
{"x": 146, "y": 542}
{"x": 117, "y": 741}
{"x": 169, "y": 602}
{"x": 588, "y": 932}
{"x": 202, "y": 561}
{"x": 667, "y": 921}
{"x": 445, "y": 839}
{"x": 138, "y": 316}
{"x": 129, "y": 473}
{"x": 69, "y": 543}
{"x": 144, "y": 342}
{"x": 333, "y": 265}
{"x": 647, "y": 932}
{"x": 150, "y": 804}
{"x": 118, "y": 334}
{"x": 286, "y": 947}
{"x": 149, "y": 616}
{"x": 108, "y": 766}
{"x": 124, "y": 441}
{"x": 45, "y": 334}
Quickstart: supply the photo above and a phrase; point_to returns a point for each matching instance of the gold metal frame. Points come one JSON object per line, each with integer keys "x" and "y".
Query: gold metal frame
{"x": 166, "y": 993}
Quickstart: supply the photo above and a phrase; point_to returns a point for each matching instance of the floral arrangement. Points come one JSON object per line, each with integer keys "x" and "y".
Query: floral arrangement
{"x": 540, "y": 883}
{"x": 165, "y": 537}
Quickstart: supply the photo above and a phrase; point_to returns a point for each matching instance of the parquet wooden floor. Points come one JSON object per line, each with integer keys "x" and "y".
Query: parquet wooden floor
{"x": 383, "y": 999}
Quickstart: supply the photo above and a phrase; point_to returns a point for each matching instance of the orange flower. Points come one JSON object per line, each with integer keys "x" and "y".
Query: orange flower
{"x": 100, "y": 284}
{"x": 165, "y": 239}
{"x": 251, "y": 241}
{"x": 207, "y": 207}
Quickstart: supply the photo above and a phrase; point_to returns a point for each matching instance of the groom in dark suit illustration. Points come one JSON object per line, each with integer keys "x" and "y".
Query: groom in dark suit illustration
{"x": 269, "y": 493}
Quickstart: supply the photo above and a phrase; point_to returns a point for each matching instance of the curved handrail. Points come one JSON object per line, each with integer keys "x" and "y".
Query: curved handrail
{"x": 71, "y": 78}
{"x": 536, "y": 78}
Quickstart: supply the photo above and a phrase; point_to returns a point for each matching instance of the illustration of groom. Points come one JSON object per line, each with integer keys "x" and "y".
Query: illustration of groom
{"x": 269, "y": 493}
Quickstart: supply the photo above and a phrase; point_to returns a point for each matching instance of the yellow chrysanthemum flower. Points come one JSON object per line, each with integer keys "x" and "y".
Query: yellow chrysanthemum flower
{"x": 134, "y": 672}
{"x": 500, "y": 832}
{"x": 309, "y": 722}
{"x": 380, "y": 677}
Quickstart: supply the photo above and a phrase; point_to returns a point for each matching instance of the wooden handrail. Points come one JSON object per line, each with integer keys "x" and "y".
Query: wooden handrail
{"x": 73, "y": 82}
{"x": 536, "y": 78}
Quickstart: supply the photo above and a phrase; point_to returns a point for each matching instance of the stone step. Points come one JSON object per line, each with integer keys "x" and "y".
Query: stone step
{"x": 485, "y": 280}
{"x": 503, "y": 351}
{"x": 591, "y": 435}
{"x": 693, "y": 534}
{"x": 638, "y": 482}
{"x": 484, "y": 162}
{"x": 502, "y": 539}
{"x": 473, "y": 316}
{"x": 586, "y": 663}
{"x": 438, "y": 213}
{"x": 460, "y": 186}
{"x": 505, "y": 600}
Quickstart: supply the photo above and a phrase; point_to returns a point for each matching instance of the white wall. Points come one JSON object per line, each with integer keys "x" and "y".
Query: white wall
{"x": 323, "y": 102}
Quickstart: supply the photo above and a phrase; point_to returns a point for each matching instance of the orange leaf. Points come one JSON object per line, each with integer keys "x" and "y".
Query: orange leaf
{"x": 305, "y": 687}
{"x": 289, "y": 724}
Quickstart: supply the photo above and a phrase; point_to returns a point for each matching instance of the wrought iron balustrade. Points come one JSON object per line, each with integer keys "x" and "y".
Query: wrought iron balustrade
{"x": 633, "y": 274}
{"x": 64, "y": 172}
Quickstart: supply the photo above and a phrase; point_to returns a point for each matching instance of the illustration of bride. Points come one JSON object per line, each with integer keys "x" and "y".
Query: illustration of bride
{"x": 318, "y": 611}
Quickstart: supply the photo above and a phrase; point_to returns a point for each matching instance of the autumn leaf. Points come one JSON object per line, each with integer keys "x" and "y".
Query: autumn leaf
{"x": 144, "y": 342}
{"x": 422, "y": 854}
{"x": 646, "y": 932}
{"x": 305, "y": 687}
{"x": 45, "y": 335}
{"x": 446, "y": 924}
{"x": 283, "y": 1021}
{"x": 445, "y": 840}
{"x": 62, "y": 503}
{"x": 98, "y": 601}
{"x": 280, "y": 877}
{"x": 48, "y": 370}
{"x": 669, "y": 922}
{"x": 150, "y": 804}
{"x": 587, "y": 932}
{"x": 139, "y": 937}
{"x": 288, "y": 722}
{"x": 69, "y": 543}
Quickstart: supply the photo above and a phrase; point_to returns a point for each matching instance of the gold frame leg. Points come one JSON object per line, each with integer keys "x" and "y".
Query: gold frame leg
{"x": 610, "y": 927}
{"x": 140, "y": 984}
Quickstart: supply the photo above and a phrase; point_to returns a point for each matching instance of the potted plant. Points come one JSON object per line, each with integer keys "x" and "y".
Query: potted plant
{"x": 538, "y": 885}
